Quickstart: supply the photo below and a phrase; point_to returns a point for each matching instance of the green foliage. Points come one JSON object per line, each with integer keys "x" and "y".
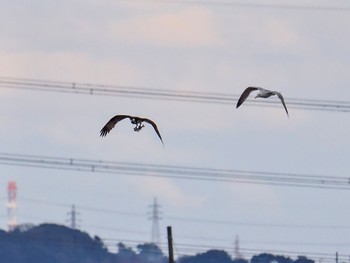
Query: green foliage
{"x": 59, "y": 244}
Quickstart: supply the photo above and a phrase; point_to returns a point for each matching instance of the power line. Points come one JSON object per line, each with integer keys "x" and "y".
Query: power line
{"x": 248, "y": 5}
{"x": 195, "y": 248}
{"x": 264, "y": 225}
{"x": 85, "y": 208}
{"x": 161, "y": 94}
{"x": 190, "y": 248}
{"x": 196, "y": 220}
{"x": 211, "y": 238}
{"x": 177, "y": 172}
{"x": 184, "y": 247}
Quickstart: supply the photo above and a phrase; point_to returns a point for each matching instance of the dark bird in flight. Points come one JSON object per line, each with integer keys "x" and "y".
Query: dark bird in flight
{"x": 263, "y": 93}
{"x": 134, "y": 120}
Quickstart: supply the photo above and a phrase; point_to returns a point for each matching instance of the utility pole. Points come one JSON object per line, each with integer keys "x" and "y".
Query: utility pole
{"x": 170, "y": 245}
{"x": 336, "y": 257}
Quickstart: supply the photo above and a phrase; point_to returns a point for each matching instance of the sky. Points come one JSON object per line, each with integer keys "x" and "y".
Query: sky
{"x": 202, "y": 46}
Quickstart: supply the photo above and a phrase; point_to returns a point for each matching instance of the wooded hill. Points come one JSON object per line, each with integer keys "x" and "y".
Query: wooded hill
{"x": 60, "y": 244}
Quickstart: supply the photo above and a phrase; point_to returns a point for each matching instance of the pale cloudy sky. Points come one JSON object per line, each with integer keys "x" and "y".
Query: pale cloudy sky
{"x": 211, "y": 47}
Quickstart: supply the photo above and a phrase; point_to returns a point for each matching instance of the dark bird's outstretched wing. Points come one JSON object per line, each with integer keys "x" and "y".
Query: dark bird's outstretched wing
{"x": 154, "y": 127}
{"x": 282, "y": 100}
{"x": 111, "y": 123}
{"x": 245, "y": 95}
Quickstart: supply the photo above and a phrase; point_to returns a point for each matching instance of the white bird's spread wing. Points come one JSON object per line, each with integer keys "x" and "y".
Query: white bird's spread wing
{"x": 245, "y": 95}
{"x": 264, "y": 93}
{"x": 154, "y": 125}
{"x": 282, "y": 100}
{"x": 111, "y": 123}
{"x": 265, "y": 90}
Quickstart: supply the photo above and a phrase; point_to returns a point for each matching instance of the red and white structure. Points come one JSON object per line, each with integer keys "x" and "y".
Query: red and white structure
{"x": 11, "y": 205}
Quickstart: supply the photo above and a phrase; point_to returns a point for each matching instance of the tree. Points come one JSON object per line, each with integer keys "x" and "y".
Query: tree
{"x": 269, "y": 258}
{"x": 151, "y": 253}
{"x": 126, "y": 254}
{"x": 211, "y": 256}
{"x": 302, "y": 259}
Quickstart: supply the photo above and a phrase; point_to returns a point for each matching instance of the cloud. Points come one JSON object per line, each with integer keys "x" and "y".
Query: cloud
{"x": 264, "y": 199}
{"x": 163, "y": 189}
{"x": 262, "y": 193}
{"x": 66, "y": 66}
{"x": 194, "y": 27}
{"x": 264, "y": 36}
{"x": 280, "y": 35}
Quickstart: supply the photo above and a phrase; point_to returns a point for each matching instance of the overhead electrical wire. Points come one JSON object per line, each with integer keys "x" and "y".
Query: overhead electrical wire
{"x": 194, "y": 220}
{"x": 86, "y": 208}
{"x": 177, "y": 172}
{"x": 248, "y": 5}
{"x": 186, "y": 248}
{"x": 183, "y": 248}
{"x": 165, "y": 94}
{"x": 196, "y": 248}
{"x": 202, "y": 238}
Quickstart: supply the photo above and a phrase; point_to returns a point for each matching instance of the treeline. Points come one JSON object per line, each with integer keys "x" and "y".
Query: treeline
{"x": 59, "y": 244}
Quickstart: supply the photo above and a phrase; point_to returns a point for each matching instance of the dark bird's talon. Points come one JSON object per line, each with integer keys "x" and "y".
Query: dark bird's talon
{"x": 134, "y": 120}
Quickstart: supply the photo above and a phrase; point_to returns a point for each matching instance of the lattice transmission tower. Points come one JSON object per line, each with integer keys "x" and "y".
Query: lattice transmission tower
{"x": 238, "y": 254}
{"x": 154, "y": 215}
{"x": 73, "y": 218}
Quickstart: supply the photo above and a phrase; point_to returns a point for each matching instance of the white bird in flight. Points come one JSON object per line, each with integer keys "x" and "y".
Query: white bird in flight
{"x": 134, "y": 120}
{"x": 263, "y": 93}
